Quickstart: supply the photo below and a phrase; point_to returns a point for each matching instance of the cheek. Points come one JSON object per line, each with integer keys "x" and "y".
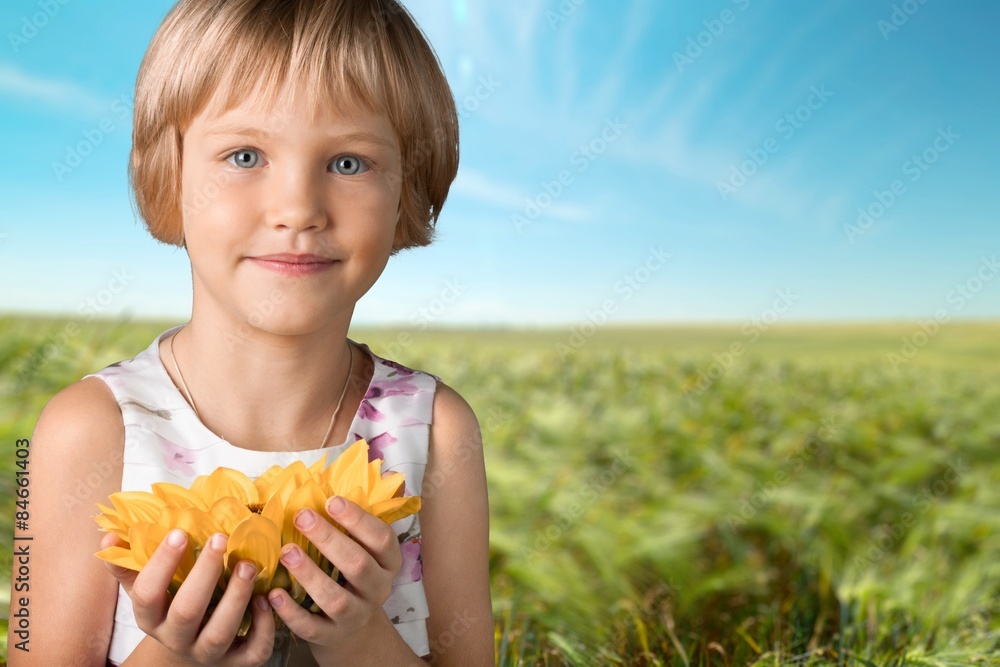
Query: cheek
{"x": 212, "y": 204}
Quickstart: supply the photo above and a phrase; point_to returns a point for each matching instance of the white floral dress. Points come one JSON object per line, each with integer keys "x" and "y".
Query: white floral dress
{"x": 166, "y": 442}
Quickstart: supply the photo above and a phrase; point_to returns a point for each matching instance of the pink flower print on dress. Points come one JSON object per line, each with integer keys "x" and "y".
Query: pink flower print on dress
{"x": 368, "y": 412}
{"x": 177, "y": 458}
{"x": 393, "y": 387}
{"x": 377, "y": 445}
{"x": 400, "y": 370}
{"x": 412, "y": 568}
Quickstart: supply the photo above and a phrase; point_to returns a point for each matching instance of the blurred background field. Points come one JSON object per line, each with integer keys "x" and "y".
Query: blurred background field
{"x": 807, "y": 502}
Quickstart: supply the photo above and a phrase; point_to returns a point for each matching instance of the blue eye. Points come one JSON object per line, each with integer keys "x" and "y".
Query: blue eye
{"x": 350, "y": 164}
{"x": 245, "y": 157}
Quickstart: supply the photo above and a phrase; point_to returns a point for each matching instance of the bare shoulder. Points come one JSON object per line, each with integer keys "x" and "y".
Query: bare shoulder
{"x": 454, "y": 523}
{"x": 75, "y": 462}
{"x": 84, "y": 406}
{"x": 80, "y": 424}
{"x": 453, "y": 422}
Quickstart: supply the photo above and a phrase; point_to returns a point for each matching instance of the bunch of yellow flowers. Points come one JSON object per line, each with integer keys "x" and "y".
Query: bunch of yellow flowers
{"x": 255, "y": 515}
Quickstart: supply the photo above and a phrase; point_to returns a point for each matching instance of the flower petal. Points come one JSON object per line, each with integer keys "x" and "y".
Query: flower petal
{"x": 223, "y": 483}
{"x": 112, "y": 524}
{"x": 177, "y": 496}
{"x": 285, "y": 482}
{"x": 197, "y": 524}
{"x": 395, "y": 509}
{"x": 349, "y": 470}
{"x": 137, "y": 506}
{"x": 228, "y": 513}
{"x": 255, "y": 539}
{"x": 310, "y": 496}
{"x": 120, "y": 556}
{"x": 386, "y": 487}
{"x": 145, "y": 537}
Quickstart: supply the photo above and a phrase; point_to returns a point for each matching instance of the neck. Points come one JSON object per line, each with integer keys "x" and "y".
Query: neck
{"x": 268, "y": 391}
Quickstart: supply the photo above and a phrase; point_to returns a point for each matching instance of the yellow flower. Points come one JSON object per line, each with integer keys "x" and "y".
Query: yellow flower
{"x": 256, "y": 515}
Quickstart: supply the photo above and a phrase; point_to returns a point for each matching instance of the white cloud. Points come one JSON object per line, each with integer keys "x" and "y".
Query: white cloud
{"x": 52, "y": 92}
{"x": 476, "y": 185}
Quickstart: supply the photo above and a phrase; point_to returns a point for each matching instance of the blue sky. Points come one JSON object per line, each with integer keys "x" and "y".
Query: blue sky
{"x": 713, "y": 159}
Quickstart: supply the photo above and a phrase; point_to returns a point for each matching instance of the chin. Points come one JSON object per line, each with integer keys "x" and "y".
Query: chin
{"x": 286, "y": 319}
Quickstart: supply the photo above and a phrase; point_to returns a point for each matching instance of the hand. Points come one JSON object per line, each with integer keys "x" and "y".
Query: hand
{"x": 369, "y": 562}
{"x": 177, "y": 623}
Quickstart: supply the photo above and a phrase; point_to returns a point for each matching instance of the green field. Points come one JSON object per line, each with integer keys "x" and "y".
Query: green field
{"x": 811, "y": 500}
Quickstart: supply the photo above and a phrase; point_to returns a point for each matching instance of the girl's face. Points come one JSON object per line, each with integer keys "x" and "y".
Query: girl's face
{"x": 289, "y": 213}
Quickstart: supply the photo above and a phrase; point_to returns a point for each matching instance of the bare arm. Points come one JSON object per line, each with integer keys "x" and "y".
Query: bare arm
{"x": 75, "y": 462}
{"x": 454, "y": 523}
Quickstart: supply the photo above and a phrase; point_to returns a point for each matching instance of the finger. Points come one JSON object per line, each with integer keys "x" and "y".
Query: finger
{"x": 259, "y": 643}
{"x": 125, "y": 576}
{"x": 366, "y": 576}
{"x": 220, "y": 630}
{"x": 375, "y": 535}
{"x": 149, "y": 589}
{"x": 189, "y": 604}
{"x": 335, "y": 601}
{"x": 301, "y": 622}
{"x": 109, "y": 540}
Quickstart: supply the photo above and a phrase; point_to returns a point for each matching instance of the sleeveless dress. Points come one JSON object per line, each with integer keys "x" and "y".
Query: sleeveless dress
{"x": 166, "y": 442}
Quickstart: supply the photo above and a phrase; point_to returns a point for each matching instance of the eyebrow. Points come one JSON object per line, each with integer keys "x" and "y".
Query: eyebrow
{"x": 231, "y": 130}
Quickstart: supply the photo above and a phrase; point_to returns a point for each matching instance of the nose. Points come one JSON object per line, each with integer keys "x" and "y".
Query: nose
{"x": 295, "y": 201}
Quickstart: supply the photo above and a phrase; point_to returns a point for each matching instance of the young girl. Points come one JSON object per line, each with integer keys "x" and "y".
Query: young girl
{"x": 291, "y": 146}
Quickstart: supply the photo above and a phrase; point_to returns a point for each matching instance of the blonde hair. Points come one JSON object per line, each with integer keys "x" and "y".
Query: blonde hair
{"x": 370, "y": 53}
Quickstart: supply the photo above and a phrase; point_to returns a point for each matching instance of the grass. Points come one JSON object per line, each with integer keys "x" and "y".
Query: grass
{"x": 653, "y": 502}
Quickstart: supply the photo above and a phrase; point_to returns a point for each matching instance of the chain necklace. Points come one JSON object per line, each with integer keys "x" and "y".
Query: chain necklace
{"x": 329, "y": 429}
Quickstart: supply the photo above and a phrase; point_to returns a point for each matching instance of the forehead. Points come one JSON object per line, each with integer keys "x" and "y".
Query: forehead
{"x": 288, "y": 107}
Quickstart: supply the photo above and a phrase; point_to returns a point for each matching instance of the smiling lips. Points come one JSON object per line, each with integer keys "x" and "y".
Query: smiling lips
{"x": 294, "y": 265}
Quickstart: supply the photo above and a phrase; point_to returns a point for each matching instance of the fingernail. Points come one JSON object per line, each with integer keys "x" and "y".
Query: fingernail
{"x": 305, "y": 519}
{"x": 245, "y": 570}
{"x": 292, "y": 556}
{"x": 218, "y": 542}
{"x": 336, "y": 505}
{"x": 276, "y": 600}
{"x": 176, "y": 538}
{"x": 262, "y": 603}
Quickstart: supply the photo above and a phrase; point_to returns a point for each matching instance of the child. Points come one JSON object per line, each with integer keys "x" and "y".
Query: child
{"x": 290, "y": 146}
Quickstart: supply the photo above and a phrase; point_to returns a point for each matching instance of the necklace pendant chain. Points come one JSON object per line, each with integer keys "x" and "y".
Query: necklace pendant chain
{"x": 333, "y": 418}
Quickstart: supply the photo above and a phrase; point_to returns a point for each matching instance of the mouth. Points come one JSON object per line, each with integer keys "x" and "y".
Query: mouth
{"x": 289, "y": 264}
{"x": 289, "y": 258}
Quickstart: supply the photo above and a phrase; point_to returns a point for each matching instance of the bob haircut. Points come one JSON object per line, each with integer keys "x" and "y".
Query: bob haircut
{"x": 370, "y": 53}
